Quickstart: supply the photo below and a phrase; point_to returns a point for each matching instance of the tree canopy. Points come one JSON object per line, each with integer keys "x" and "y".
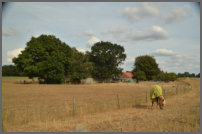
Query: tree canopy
{"x": 53, "y": 61}
{"x": 187, "y": 74}
{"x": 81, "y": 67}
{"x": 45, "y": 57}
{"x": 106, "y": 58}
{"x": 146, "y": 64}
{"x": 139, "y": 75}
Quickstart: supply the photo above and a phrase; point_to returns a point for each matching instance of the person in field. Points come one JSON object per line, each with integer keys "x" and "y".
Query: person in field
{"x": 156, "y": 96}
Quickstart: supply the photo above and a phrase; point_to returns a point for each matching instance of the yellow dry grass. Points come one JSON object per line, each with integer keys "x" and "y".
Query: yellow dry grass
{"x": 49, "y": 108}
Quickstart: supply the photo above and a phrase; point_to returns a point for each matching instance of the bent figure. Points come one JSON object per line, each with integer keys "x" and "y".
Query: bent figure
{"x": 156, "y": 96}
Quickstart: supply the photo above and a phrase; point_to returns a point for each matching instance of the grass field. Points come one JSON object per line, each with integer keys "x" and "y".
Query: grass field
{"x": 49, "y": 108}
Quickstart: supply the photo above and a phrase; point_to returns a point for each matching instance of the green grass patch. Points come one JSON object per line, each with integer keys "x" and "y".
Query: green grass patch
{"x": 14, "y": 77}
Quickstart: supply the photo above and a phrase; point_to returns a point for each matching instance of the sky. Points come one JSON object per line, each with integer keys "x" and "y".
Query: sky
{"x": 168, "y": 31}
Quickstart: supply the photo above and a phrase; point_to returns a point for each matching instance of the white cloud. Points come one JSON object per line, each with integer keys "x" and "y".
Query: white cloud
{"x": 121, "y": 34}
{"x": 163, "y": 52}
{"x": 128, "y": 64}
{"x": 9, "y": 32}
{"x": 138, "y": 12}
{"x": 129, "y": 59}
{"x": 13, "y": 53}
{"x": 92, "y": 41}
{"x": 117, "y": 30}
{"x": 87, "y": 33}
{"x": 176, "y": 14}
{"x": 150, "y": 34}
{"x": 171, "y": 61}
{"x": 158, "y": 11}
{"x": 82, "y": 50}
{"x": 116, "y": 34}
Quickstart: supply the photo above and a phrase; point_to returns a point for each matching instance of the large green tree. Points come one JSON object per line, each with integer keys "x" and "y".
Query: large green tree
{"x": 45, "y": 57}
{"x": 106, "y": 58}
{"x": 81, "y": 67}
{"x": 139, "y": 75}
{"x": 146, "y": 64}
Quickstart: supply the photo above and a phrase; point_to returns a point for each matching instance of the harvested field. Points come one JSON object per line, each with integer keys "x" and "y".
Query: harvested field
{"x": 50, "y": 108}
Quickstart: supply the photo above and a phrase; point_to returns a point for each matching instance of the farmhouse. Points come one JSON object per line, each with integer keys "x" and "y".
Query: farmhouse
{"x": 126, "y": 77}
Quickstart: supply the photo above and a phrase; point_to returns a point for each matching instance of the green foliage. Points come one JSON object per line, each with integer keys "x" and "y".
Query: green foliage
{"x": 146, "y": 64}
{"x": 192, "y": 75}
{"x": 180, "y": 75}
{"x": 52, "y": 70}
{"x": 9, "y": 70}
{"x": 170, "y": 76}
{"x": 139, "y": 75}
{"x": 187, "y": 74}
{"x": 161, "y": 76}
{"x": 198, "y": 75}
{"x": 106, "y": 58}
{"x": 45, "y": 57}
{"x": 81, "y": 67}
{"x": 165, "y": 76}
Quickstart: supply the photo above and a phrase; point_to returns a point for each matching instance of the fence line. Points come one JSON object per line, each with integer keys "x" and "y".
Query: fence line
{"x": 133, "y": 101}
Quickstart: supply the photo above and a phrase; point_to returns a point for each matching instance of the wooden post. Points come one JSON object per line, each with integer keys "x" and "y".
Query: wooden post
{"x": 146, "y": 96}
{"x": 74, "y": 106}
{"x": 177, "y": 90}
{"x": 164, "y": 93}
{"x": 118, "y": 101}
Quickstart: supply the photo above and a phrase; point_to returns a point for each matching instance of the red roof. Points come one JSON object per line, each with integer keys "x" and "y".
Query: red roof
{"x": 126, "y": 75}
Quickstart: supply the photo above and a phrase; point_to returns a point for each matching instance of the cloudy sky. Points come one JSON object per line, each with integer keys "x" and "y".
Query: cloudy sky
{"x": 168, "y": 31}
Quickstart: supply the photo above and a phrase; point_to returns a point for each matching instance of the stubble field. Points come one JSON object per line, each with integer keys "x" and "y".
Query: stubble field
{"x": 104, "y": 107}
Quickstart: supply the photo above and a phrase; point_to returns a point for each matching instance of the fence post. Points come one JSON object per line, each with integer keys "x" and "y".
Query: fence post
{"x": 177, "y": 90}
{"x": 118, "y": 101}
{"x": 74, "y": 106}
{"x": 146, "y": 96}
{"x": 164, "y": 93}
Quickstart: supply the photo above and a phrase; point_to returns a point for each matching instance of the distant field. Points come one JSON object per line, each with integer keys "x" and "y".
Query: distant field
{"x": 50, "y": 108}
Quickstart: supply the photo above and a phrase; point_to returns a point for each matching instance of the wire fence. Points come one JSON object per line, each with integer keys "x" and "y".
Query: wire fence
{"x": 119, "y": 101}
{"x": 142, "y": 100}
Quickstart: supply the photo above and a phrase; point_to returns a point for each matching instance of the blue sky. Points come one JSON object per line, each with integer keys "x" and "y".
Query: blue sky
{"x": 168, "y": 31}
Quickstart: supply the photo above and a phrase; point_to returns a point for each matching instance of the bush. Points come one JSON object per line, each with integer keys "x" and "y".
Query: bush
{"x": 9, "y": 70}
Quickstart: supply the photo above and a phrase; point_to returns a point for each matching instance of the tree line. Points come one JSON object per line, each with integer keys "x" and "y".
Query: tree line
{"x": 187, "y": 74}
{"x": 53, "y": 61}
{"x": 146, "y": 68}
